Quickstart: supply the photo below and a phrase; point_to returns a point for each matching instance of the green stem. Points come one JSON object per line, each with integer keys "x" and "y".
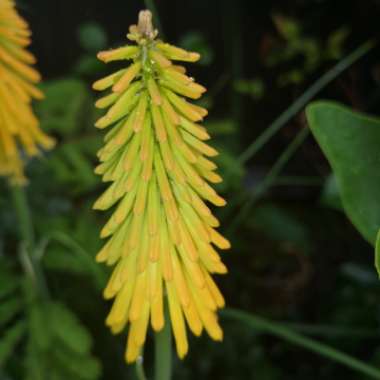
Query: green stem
{"x": 266, "y": 326}
{"x": 140, "y": 373}
{"x": 333, "y": 331}
{"x": 300, "y": 103}
{"x": 163, "y": 351}
{"x": 24, "y": 218}
{"x": 269, "y": 179}
{"x": 28, "y": 256}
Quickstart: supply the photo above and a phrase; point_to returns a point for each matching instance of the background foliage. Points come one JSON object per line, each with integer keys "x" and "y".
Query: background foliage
{"x": 296, "y": 257}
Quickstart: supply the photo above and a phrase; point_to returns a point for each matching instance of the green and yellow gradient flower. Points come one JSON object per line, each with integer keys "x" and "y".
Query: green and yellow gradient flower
{"x": 161, "y": 235}
{"x": 18, "y": 125}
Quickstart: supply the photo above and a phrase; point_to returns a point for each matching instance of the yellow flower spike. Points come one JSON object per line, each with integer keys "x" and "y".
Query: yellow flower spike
{"x": 18, "y": 125}
{"x": 161, "y": 233}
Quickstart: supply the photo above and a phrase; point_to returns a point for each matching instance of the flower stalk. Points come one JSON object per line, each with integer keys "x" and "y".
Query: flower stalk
{"x": 163, "y": 352}
{"x": 27, "y": 248}
{"x": 162, "y": 234}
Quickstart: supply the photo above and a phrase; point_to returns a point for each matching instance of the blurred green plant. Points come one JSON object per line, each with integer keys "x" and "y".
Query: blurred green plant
{"x": 253, "y": 87}
{"x": 92, "y": 38}
{"x": 196, "y": 41}
{"x": 43, "y": 335}
{"x": 70, "y": 120}
{"x": 295, "y": 44}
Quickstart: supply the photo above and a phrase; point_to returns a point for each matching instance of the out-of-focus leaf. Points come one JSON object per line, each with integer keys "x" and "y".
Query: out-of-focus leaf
{"x": 222, "y": 127}
{"x": 67, "y": 328}
{"x": 8, "y": 283}
{"x": 10, "y": 339}
{"x": 62, "y": 107}
{"x": 92, "y": 37}
{"x": 39, "y": 328}
{"x": 80, "y": 165}
{"x": 280, "y": 225}
{"x": 9, "y": 309}
{"x": 64, "y": 351}
{"x": 377, "y": 253}
{"x": 72, "y": 163}
{"x": 294, "y": 76}
{"x": 253, "y": 87}
{"x": 330, "y": 196}
{"x": 351, "y": 141}
{"x": 335, "y": 42}
{"x": 80, "y": 367}
{"x": 195, "y": 41}
{"x": 34, "y": 366}
{"x": 67, "y": 255}
{"x": 287, "y": 27}
{"x": 88, "y": 65}
{"x": 62, "y": 260}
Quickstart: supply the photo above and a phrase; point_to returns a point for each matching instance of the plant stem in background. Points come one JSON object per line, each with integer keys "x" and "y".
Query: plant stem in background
{"x": 27, "y": 244}
{"x": 24, "y": 218}
{"x": 269, "y": 179}
{"x": 140, "y": 373}
{"x": 266, "y": 326}
{"x": 301, "y": 102}
{"x": 163, "y": 351}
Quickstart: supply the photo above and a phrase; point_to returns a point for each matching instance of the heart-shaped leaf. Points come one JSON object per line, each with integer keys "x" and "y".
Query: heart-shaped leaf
{"x": 351, "y": 143}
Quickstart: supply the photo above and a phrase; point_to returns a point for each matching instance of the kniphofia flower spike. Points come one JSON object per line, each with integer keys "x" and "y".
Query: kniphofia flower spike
{"x": 17, "y": 121}
{"x": 161, "y": 233}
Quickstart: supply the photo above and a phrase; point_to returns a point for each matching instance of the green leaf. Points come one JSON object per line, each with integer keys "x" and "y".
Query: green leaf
{"x": 63, "y": 352}
{"x": 8, "y": 282}
{"x": 72, "y": 162}
{"x": 9, "y": 340}
{"x": 288, "y": 28}
{"x": 254, "y": 87}
{"x": 195, "y": 41}
{"x": 9, "y": 309}
{"x": 80, "y": 367}
{"x": 221, "y": 127}
{"x": 39, "y": 330}
{"x": 377, "y": 253}
{"x": 72, "y": 257}
{"x": 67, "y": 328}
{"x": 62, "y": 107}
{"x": 335, "y": 42}
{"x": 92, "y": 37}
{"x": 88, "y": 65}
{"x": 351, "y": 141}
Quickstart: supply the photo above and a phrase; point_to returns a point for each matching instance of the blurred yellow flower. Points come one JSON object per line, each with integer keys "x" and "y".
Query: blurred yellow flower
{"x": 161, "y": 234}
{"x": 17, "y": 121}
